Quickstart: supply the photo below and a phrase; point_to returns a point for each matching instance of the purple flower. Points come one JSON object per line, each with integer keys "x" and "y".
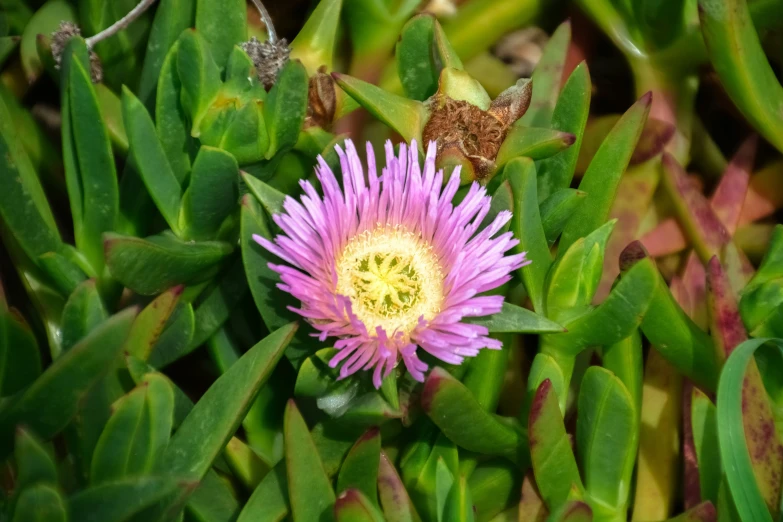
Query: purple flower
{"x": 388, "y": 265}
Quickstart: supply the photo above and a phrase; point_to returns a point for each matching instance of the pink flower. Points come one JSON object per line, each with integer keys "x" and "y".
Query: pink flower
{"x": 387, "y": 265}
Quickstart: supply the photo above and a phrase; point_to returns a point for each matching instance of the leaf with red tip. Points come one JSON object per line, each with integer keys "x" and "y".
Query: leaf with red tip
{"x": 397, "y": 505}
{"x": 353, "y": 506}
{"x": 553, "y": 460}
{"x": 699, "y": 221}
{"x": 452, "y": 407}
{"x": 531, "y": 505}
{"x": 360, "y": 468}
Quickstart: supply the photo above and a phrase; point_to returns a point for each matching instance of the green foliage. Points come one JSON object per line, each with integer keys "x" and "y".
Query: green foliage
{"x": 640, "y": 370}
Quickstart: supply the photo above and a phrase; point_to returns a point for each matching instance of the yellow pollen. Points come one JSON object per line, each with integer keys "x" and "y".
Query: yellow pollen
{"x": 392, "y": 278}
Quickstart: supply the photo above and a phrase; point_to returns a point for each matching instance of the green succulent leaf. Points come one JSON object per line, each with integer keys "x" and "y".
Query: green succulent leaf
{"x": 360, "y": 468}
{"x": 314, "y": 43}
{"x": 624, "y": 359}
{"x": 310, "y": 490}
{"x": 569, "y": 116}
{"x": 83, "y": 311}
{"x": 404, "y": 116}
{"x": 269, "y": 501}
{"x": 455, "y": 411}
{"x": 494, "y": 486}
{"x": 285, "y": 108}
{"x": 63, "y": 273}
{"x": 572, "y": 511}
{"x": 8, "y": 46}
{"x": 40, "y": 503}
{"x": 602, "y": 177}
{"x": 170, "y": 119}
{"x": 533, "y": 142}
{"x": 545, "y": 367}
{"x": 20, "y": 360}
{"x": 149, "y": 324}
{"x": 547, "y": 77}
{"x": 150, "y": 159}
{"x": 607, "y": 436}
{"x": 222, "y": 25}
{"x": 199, "y": 74}
{"x": 459, "y": 503}
{"x": 553, "y": 461}
{"x": 213, "y": 500}
{"x": 34, "y": 462}
{"x": 176, "y": 337}
{"x": 213, "y": 193}
{"x": 557, "y": 209}
{"x": 53, "y": 399}
{"x": 515, "y": 319}
{"x": 214, "y": 419}
{"x": 704, "y": 422}
{"x": 171, "y": 18}
{"x": 736, "y": 53}
{"x": 422, "y": 52}
{"x": 129, "y": 259}
{"x": 137, "y": 432}
{"x": 121, "y": 500}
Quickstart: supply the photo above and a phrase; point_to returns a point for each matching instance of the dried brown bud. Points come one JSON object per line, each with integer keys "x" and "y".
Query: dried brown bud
{"x": 269, "y": 58}
{"x": 60, "y": 39}
{"x": 321, "y": 101}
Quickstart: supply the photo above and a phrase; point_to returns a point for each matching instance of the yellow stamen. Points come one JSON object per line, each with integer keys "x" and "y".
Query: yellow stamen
{"x": 392, "y": 278}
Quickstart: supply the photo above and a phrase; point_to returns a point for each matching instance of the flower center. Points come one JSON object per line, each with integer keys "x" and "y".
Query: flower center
{"x": 392, "y": 278}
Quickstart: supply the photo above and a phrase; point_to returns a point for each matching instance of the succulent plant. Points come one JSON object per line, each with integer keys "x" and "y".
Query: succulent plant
{"x": 227, "y": 294}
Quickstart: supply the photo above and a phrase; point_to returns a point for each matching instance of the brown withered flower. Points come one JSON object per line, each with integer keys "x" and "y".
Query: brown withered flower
{"x": 321, "y": 100}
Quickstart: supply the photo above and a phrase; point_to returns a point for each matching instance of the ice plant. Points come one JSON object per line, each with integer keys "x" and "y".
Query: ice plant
{"x": 389, "y": 264}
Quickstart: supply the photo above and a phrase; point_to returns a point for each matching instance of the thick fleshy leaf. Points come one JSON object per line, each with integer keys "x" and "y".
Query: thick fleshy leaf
{"x": 736, "y": 54}
{"x": 396, "y": 503}
{"x": 557, "y": 209}
{"x": 176, "y": 337}
{"x": 533, "y": 142}
{"x": 122, "y": 500}
{"x": 34, "y": 463}
{"x": 96, "y": 171}
{"x": 216, "y": 303}
{"x": 601, "y": 179}
{"x": 53, "y": 399}
{"x": 176, "y": 261}
{"x": 526, "y": 224}
{"x": 553, "y": 460}
{"x": 494, "y": 486}
{"x": 20, "y": 360}
{"x": 223, "y": 25}
{"x": 570, "y": 116}
{"x": 669, "y": 329}
{"x": 309, "y": 488}
{"x": 83, "y": 311}
{"x": 453, "y": 409}
{"x": 547, "y": 77}
{"x": 213, "y": 193}
{"x": 421, "y": 55}
{"x": 404, "y": 116}
{"x": 315, "y": 41}
{"x": 150, "y": 159}
{"x": 485, "y": 374}
{"x": 136, "y": 433}
{"x": 23, "y": 205}
{"x": 149, "y": 324}
{"x": 214, "y": 419}
{"x": 607, "y": 436}
{"x": 546, "y": 367}
{"x": 360, "y": 468}
{"x": 198, "y": 73}
{"x": 285, "y": 108}
{"x": 170, "y": 120}
{"x": 573, "y": 279}
{"x": 214, "y": 500}
{"x": 459, "y": 503}
{"x": 749, "y": 446}
{"x": 40, "y": 503}
{"x": 625, "y": 360}
{"x": 171, "y": 18}
{"x": 515, "y": 319}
